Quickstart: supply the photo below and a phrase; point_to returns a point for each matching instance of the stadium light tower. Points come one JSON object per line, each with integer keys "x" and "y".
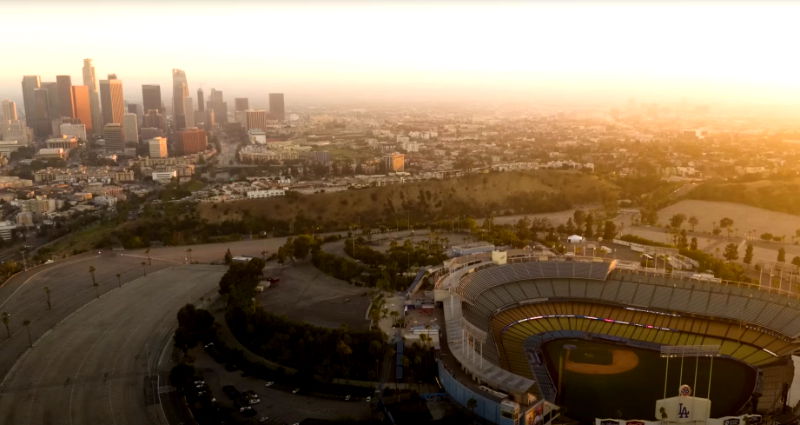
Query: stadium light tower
{"x": 684, "y": 351}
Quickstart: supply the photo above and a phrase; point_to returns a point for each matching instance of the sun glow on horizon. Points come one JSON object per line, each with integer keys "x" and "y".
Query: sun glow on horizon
{"x": 707, "y": 51}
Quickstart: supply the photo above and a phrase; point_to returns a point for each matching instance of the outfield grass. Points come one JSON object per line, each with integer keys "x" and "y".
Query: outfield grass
{"x": 632, "y": 394}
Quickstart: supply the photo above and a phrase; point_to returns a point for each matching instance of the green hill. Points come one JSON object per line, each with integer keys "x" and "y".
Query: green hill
{"x": 474, "y": 195}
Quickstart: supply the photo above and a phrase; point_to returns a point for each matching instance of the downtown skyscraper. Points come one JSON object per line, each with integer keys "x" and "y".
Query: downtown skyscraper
{"x": 112, "y": 100}
{"x": 90, "y": 81}
{"x": 277, "y": 111}
{"x": 180, "y": 91}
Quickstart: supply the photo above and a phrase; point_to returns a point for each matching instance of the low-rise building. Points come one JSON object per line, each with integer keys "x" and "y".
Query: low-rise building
{"x": 164, "y": 177}
{"x": 269, "y": 193}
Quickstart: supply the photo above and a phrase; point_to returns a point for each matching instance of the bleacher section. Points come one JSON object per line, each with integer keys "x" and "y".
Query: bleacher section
{"x": 511, "y": 328}
{"x": 493, "y": 289}
{"x": 473, "y": 285}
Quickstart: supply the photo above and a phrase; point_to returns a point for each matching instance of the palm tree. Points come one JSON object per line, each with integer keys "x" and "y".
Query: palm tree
{"x": 94, "y": 282}
{"x": 119, "y": 280}
{"x": 27, "y": 324}
{"x": 144, "y": 268}
{"x": 147, "y": 252}
{"x": 47, "y": 294}
{"x": 6, "y": 318}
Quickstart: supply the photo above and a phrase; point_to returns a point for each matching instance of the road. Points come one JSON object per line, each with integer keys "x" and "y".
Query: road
{"x": 94, "y": 367}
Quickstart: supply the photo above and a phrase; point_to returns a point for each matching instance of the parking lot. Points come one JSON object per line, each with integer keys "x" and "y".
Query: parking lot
{"x": 303, "y": 293}
{"x": 277, "y": 402}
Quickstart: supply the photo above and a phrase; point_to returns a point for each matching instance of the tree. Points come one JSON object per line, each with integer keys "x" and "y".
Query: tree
{"x": 796, "y": 261}
{"x": 228, "y": 256}
{"x": 609, "y": 230}
{"x": 748, "y": 254}
{"x": 589, "y": 223}
{"x": 301, "y": 246}
{"x": 47, "y": 296}
{"x": 94, "y": 282}
{"x": 27, "y": 324}
{"x": 731, "y": 252}
{"x": 6, "y": 318}
{"x": 725, "y": 222}
{"x": 782, "y": 255}
{"x": 676, "y": 221}
{"x": 693, "y": 222}
{"x": 682, "y": 240}
{"x": 693, "y": 244}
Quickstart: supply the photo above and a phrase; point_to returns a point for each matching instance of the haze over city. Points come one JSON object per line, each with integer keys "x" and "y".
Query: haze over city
{"x": 390, "y": 213}
{"x": 530, "y": 52}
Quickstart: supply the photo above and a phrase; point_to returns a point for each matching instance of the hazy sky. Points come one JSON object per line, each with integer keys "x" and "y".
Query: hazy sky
{"x": 715, "y": 51}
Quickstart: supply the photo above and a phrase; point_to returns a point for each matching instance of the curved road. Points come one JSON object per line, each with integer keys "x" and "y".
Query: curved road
{"x": 83, "y": 341}
{"x": 97, "y": 366}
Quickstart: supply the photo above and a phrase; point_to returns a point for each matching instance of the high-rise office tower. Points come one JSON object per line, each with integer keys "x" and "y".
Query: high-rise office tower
{"x": 29, "y": 84}
{"x": 112, "y": 133}
{"x": 40, "y": 113}
{"x": 53, "y": 107}
{"x": 9, "y": 111}
{"x": 220, "y": 108}
{"x": 64, "y": 85}
{"x": 180, "y": 91}
{"x": 151, "y": 98}
{"x": 188, "y": 107}
{"x": 200, "y": 102}
{"x": 242, "y": 103}
{"x": 82, "y": 106}
{"x": 157, "y": 147}
{"x": 154, "y": 119}
{"x": 90, "y": 81}
{"x": 276, "y": 107}
{"x": 130, "y": 128}
{"x": 111, "y": 100}
{"x": 134, "y": 108}
{"x": 192, "y": 140}
{"x": 255, "y": 119}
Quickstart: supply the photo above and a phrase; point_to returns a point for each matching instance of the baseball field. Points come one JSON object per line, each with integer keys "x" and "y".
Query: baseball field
{"x": 609, "y": 380}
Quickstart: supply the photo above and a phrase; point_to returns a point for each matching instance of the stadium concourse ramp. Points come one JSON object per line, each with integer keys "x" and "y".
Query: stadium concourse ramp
{"x": 480, "y": 295}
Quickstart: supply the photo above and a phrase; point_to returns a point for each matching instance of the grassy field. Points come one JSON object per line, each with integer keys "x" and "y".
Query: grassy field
{"x": 776, "y": 195}
{"x": 745, "y": 218}
{"x": 632, "y": 394}
{"x": 476, "y": 195}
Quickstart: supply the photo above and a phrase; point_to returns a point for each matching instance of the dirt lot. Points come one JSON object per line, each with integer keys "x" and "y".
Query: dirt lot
{"x": 306, "y": 294}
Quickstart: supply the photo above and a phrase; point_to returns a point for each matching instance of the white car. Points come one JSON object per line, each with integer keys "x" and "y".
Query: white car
{"x": 269, "y": 384}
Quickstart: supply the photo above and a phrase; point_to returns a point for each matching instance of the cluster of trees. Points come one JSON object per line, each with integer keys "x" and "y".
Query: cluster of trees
{"x": 409, "y": 254}
{"x": 194, "y": 326}
{"x": 526, "y": 231}
{"x": 321, "y": 353}
{"x": 721, "y": 269}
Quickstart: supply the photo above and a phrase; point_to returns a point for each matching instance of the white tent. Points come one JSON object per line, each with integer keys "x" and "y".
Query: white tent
{"x": 574, "y": 239}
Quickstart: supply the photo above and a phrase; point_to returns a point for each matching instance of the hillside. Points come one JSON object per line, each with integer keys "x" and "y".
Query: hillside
{"x": 775, "y": 195}
{"x": 475, "y": 195}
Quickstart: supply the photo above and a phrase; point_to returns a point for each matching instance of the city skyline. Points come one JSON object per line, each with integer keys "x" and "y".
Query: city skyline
{"x": 351, "y": 51}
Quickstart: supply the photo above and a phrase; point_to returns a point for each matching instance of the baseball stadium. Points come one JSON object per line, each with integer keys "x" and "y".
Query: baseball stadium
{"x": 529, "y": 338}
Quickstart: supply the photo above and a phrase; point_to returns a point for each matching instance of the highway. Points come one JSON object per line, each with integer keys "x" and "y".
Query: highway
{"x": 97, "y": 366}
